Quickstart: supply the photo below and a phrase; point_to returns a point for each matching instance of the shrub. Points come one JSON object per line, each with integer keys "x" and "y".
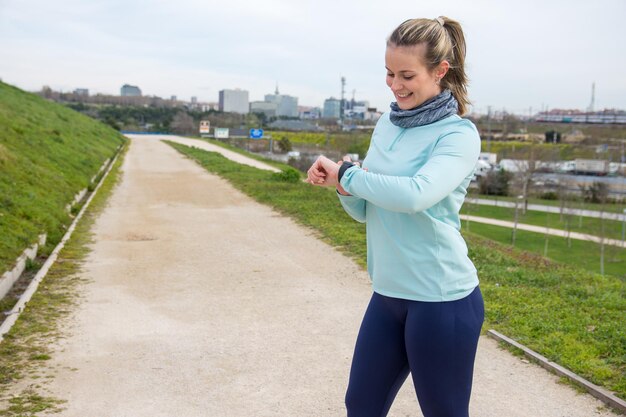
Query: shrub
{"x": 597, "y": 192}
{"x": 495, "y": 183}
{"x": 550, "y": 195}
{"x": 284, "y": 144}
{"x": 287, "y": 175}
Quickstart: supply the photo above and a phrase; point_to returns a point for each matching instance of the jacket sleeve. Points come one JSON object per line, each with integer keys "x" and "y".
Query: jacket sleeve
{"x": 453, "y": 159}
{"x": 354, "y": 206}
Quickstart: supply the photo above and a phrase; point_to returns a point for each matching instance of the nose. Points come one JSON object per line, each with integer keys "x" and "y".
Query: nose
{"x": 396, "y": 85}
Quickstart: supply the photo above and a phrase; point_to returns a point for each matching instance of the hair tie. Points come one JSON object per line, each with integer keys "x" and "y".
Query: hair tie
{"x": 440, "y": 21}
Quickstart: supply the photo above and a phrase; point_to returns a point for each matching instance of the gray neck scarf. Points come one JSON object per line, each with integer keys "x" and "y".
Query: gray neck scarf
{"x": 430, "y": 111}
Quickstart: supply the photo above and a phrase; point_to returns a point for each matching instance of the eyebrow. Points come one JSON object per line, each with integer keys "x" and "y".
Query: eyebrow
{"x": 403, "y": 71}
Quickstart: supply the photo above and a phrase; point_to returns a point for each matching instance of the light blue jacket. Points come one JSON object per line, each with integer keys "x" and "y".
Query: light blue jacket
{"x": 410, "y": 197}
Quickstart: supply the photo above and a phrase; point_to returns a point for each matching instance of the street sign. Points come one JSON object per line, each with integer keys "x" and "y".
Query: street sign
{"x": 256, "y": 133}
{"x": 221, "y": 133}
{"x": 205, "y": 126}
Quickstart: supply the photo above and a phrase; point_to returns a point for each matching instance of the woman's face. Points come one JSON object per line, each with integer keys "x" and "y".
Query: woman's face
{"x": 409, "y": 79}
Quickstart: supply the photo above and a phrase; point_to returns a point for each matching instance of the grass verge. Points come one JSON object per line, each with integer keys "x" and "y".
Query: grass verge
{"x": 28, "y": 343}
{"x": 48, "y": 153}
{"x": 241, "y": 151}
{"x": 578, "y": 253}
{"x": 571, "y": 316}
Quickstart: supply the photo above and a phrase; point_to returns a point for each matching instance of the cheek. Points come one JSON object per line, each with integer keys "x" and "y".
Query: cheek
{"x": 389, "y": 81}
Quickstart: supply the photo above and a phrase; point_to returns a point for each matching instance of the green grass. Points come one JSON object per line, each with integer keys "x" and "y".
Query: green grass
{"x": 573, "y": 317}
{"x": 29, "y": 403}
{"x": 29, "y": 341}
{"x": 48, "y": 153}
{"x": 589, "y": 225}
{"x": 353, "y": 142}
{"x": 576, "y": 204}
{"x": 241, "y": 151}
{"x": 579, "y": 253}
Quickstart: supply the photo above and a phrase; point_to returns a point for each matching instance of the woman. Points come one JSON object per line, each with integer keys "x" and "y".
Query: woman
{"x": 426, "y": 311}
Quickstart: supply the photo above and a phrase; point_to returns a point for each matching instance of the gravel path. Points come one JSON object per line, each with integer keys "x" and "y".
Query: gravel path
{"x": 202, "y": 302}
{"x": 234, "y": 156}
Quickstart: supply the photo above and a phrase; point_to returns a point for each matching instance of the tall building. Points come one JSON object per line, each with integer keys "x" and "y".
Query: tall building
{"x": 235, "y": 101}
{"x": 82, "y": 92}
{"x": 332, "y": 108}
{"x": 130, "y": 91}
{"x": 285, "y": 105}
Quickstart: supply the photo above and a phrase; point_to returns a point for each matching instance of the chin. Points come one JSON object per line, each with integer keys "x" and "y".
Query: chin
{"x": 406, "y": 106}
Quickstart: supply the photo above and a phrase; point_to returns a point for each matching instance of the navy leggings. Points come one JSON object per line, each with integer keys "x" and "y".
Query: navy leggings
{"x": 434, "y": 341}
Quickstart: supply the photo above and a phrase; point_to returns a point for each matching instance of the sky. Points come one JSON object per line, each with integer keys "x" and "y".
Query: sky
{"x": 522, "y": 56}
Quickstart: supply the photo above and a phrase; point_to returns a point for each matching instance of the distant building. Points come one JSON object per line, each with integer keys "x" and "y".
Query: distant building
{"x": 194, "y": 100}
{"x": 362, "y": 113}
{"x": 285, "y": 105}
{"x": 268, "y": 109}
{"x": 608, "y": 116}
{"x": 130, "y": 91}
{"x": 174, "y": 98}
{"x": 235, "y": 101}
{"x": 82, "y": 92}
{"x": 209, "y": 106}
{"x": 309, "y": 112}
{"x": 332, "y": 108}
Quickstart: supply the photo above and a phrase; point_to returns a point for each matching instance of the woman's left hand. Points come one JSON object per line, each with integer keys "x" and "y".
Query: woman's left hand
{"x": 323, "y": 172}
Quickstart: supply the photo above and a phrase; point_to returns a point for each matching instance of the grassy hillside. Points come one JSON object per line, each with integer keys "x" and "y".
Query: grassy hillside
{"x": 571, "y": 316}
{"x": 48, "y": 153}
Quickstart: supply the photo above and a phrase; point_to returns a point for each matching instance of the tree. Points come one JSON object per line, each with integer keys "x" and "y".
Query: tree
{"x": 525, "y": 170}
{"x": 183, "y": 124}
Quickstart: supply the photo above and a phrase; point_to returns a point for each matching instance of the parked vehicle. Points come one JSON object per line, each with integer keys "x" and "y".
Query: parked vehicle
{"x": 482, "y": 169}
{"x": 591, "y": 167}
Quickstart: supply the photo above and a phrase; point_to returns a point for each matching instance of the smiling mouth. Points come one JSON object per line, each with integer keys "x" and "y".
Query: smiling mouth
{"x": 403, "y": 95}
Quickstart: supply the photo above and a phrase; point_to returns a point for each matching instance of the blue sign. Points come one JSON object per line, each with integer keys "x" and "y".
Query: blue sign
{"x": 256, "y": 133}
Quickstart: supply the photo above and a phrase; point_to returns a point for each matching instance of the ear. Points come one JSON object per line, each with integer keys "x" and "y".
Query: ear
{"x": 442, "y": 69}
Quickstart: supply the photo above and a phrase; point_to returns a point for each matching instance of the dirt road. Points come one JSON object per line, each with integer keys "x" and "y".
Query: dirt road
{"x": 201, "y": 302}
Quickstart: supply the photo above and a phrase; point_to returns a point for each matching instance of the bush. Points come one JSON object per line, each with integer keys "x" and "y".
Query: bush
{"x": 550, "y": 195}
{"x": 284, "y": 144}
{"x": 597, "y": 192}
{"x": 495, "y": 183}
{"x": 291, "y": 175}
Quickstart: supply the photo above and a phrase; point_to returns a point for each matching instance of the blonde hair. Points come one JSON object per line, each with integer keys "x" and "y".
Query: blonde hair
{"x": 444, "y": 40}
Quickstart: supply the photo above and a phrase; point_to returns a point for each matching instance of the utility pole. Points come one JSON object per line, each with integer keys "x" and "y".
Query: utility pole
{"x": 343, "y": 100}
{"x": 488, "y": 128}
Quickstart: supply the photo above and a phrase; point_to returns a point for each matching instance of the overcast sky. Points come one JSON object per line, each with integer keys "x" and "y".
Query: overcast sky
{"x": 521, "y": 54}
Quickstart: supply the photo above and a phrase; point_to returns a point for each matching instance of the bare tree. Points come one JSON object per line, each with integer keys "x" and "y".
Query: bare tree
{"x": 527, "y": 168}
{"x": 183, "y": 124}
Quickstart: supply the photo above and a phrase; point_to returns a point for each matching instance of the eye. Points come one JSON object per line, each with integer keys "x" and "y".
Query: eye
{"x": 409, "y": 77}
{"x": 389, "y": 74}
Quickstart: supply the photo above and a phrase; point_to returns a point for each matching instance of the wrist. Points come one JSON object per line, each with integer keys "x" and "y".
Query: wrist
{"x": 341, "y": 191}
{"x": 343, "y": 168}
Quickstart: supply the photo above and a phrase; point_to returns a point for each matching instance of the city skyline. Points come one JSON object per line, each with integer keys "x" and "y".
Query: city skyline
{"x": 520, "y": 55}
